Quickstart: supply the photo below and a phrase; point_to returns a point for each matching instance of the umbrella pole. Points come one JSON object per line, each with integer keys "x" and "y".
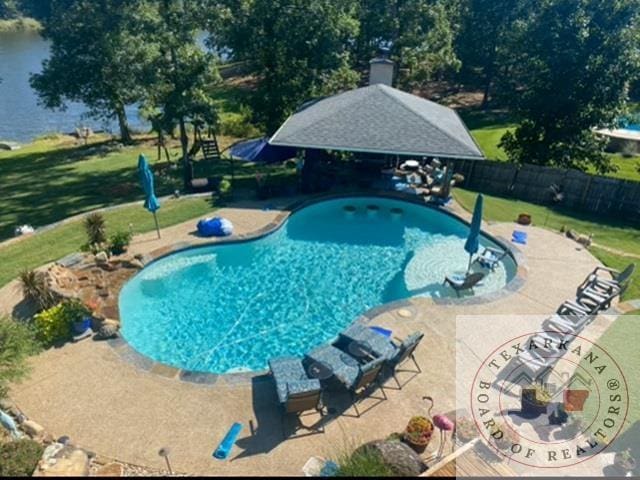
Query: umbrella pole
{"x": 155, "y": 218}
{"x": 470, "y": 262}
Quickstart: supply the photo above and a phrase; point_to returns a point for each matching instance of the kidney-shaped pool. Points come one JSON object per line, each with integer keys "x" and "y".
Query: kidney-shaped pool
{"x": 230, "y": 308}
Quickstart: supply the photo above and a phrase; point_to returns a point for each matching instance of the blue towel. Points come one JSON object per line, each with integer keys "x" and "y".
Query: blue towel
{"x": 382, "y": 331}
{"x": 519, "y": 237}
{"x": 224, "y": 449}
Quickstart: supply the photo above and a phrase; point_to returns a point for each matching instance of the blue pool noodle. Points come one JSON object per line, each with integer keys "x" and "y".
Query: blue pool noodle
{"x": 224, "y": 449}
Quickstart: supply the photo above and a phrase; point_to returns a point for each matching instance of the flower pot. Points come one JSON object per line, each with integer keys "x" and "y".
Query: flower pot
{"x": 419, "y": 448}
{"x": 81, "y": 326}
{"x": 524, "y": 219}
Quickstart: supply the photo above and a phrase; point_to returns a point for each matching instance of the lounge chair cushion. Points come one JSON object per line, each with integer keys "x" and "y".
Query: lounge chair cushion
{"x": 303, "y": 386}
{"x": 379, "y": 344}
{"x": 286, "y": 370}
{"x": 345, "y": 368}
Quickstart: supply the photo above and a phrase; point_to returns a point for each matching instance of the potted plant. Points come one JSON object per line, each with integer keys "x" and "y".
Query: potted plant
{"x": 624, "y": 461}
{"x": 466, "y": 430}
{"x": 534, "y": 399}
{"x": 79, "y": 314}
{"x": 524, "y": 219}
{"x": 119, "y": 242}
{"x": 418, "y": 433}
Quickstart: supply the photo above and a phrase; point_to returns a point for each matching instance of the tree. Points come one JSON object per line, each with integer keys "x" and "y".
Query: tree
{"x": 184, "y": 75}
{"x": 297, "y": 48}
{"x": 99, "y": 56}
{"x": 16, "y": 344}
{"x": 420, "y": 34}
{"x": 578, "y": 58}
{"x": 8, "y": 9}
{"x": 486, "y": 43}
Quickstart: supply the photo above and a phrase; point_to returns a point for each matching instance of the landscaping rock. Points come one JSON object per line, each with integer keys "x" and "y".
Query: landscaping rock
{"x": 102, "y": 258}
{"x": 399, "y": 457}
{"x": 135, "y": 263}
{"x": 107, "y": 331}
{"x": 110, "y": 470}
{"x": 61, "y": 461}
{"x": 33, "y": 429}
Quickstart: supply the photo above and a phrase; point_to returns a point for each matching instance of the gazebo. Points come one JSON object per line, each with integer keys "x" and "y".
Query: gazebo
{"x": 378, "y": 120}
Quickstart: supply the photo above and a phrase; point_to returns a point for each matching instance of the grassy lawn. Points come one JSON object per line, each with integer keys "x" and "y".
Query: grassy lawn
{"x": 608, "y": 233}
{"x": 53, "y": 179}
{"x": 53, "y": 244}
{"x": 488, "y": 132}
{"x": 616, "y": 342}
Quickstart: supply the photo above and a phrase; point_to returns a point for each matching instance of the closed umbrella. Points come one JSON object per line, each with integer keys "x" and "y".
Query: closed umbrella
{"x": 146, "y": 178}
{"x": 473, "y": 241}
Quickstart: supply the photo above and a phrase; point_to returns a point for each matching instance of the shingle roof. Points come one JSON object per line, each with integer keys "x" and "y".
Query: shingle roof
{"x": 378, "y": 119}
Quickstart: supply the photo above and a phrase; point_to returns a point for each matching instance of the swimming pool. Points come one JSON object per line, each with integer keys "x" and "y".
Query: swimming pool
{"x": 229, "y": 308}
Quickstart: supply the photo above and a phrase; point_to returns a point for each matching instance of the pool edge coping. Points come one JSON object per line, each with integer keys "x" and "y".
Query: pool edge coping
{"x": 130, "y": 355}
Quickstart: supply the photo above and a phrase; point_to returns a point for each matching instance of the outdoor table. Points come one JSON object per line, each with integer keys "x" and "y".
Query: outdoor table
{"x": 320, "y": 371}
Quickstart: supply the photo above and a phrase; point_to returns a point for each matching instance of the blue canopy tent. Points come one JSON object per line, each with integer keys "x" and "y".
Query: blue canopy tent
{"x": 472, "y": 244}
{"x": 146, "y": 178}
{"x": 259, "y": 150}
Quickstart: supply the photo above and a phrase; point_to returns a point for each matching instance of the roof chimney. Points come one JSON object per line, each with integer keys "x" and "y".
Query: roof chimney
{"x": 381, "y": 68}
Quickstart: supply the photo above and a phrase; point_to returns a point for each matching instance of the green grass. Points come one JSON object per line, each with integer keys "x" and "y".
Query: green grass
{"x": 616, "y": 342}
{"x": 53, "y": 179}
{"x": 606, "y": 232}
{"x": 488, "y": 129}
{"x": 53, "y": 244}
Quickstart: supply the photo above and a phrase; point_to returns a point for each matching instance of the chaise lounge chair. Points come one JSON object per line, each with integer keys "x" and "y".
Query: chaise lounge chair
{"x": 405, "y": 351}
{"x": 378, "y": 344}
{"x": 466, "y": 283}
{"x": 297, "y": 393}
{"x": 490, "y": 257}
{"x": 607, "y": 283}
{"x": 368, "y": 377}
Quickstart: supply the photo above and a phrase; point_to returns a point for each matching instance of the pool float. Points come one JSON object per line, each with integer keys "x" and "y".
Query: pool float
{"x": 224, "y": 449}
{"x": 215, "y": 227}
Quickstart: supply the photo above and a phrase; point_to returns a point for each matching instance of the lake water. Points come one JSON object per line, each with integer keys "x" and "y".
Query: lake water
{"x": 21, "y": 118}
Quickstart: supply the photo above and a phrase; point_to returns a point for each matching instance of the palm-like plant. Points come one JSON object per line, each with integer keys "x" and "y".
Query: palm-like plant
{"x": 35, "y": 288}
{"x": 94, "y": 225}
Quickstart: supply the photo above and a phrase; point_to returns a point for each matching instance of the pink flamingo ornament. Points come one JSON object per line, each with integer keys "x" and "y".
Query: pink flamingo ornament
{"x": 443, "y": 423}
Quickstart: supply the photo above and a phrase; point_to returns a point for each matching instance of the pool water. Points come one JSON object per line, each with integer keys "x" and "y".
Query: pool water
{"x": 230, "y": 308}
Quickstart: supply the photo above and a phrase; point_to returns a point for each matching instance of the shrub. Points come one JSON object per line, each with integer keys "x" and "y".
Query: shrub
{"x": 19, "y": 458}
{"x": 94, "y": 226}
{"x": 119, "y": 242}
{"x": 17, "y": 342}
{"x": 364, "y": 462}
{"x": 239, "y": 126}
{"x": 35, "y": 288}
{"x": 54, "y": 324}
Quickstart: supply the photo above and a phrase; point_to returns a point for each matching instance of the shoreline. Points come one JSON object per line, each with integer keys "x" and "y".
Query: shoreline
{"x": 23, "y": 24}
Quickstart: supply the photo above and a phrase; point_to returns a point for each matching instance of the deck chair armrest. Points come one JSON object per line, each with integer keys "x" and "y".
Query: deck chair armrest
{"x": 605, "y": 269}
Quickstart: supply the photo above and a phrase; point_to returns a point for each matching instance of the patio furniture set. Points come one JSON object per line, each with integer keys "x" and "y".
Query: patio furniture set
{"x": 594, "y": 295}
{"x": 429, "y": 180}
{"x": 358, "y": 362}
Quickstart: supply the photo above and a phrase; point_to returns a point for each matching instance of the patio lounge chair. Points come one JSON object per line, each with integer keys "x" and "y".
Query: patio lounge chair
{"x": 345, "y": 368}
{"x": 593, "y": 299}
{"x": 491, "y": 257}
{"x": 466, "y": 283}
{"x": 605, "y": 284}
{"x": 566, "y": 323}
{"x": 379, "y": 345}
{"x": 405, "y": 351}
{"x": 368, "y": 377}
{"x": 297, "y": 393}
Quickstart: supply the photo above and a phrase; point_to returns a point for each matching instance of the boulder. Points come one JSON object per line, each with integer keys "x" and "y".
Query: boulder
{"x": 135, "y": 263}
{"x": 107, "y": 331}
{"x": 102, "y": 258}
{"x": 110, "y": 470}
{"x": 398, "y": 456}
{"x": 63, "y": 461}
{"x": 33, "y": 429}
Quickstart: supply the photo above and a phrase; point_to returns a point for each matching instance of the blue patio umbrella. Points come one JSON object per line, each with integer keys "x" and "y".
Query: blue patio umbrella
{"x": 146, "y": 178}
{"x": 472, "y": 244}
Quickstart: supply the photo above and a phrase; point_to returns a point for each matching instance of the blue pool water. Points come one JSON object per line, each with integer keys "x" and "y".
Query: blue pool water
{"x": 230, "y": 308}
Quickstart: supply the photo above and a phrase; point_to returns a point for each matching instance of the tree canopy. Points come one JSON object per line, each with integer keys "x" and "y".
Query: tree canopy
{"x": 573, "y": 73}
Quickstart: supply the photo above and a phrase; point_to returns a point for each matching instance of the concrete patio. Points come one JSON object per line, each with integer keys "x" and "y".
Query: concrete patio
{"x": 106, "y": 405}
